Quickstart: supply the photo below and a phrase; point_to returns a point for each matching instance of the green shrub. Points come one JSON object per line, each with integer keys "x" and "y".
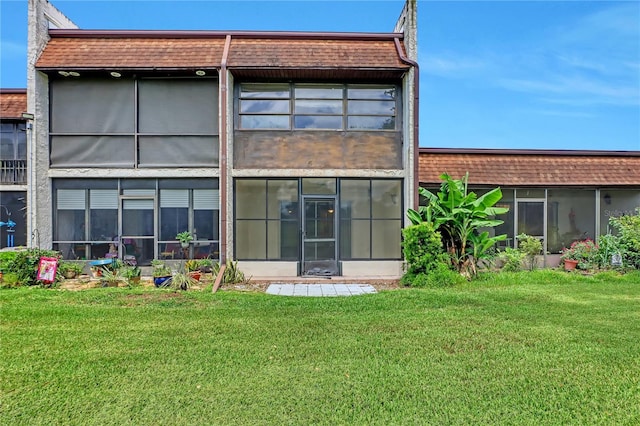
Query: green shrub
{"x": 25, "y": 265}
{"x": 231, "y": 275}
{"x": 422, "y": 248}
{"x": 511, "y": 259}
{"x": 608, "y": 245}
{"x": 6, "y": 259}
{"x": 530, "y": 247}
{"x": 628, "y": 227}
{"x": 9, "y": 280}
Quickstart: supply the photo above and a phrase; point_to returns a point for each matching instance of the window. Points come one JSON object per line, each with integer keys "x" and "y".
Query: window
{"x": 88, "y": 217}
{"x": 281, "y": 106}
{"x": 13, "y": 141}
{"x": 571, "y": 216}
{"x": 267, "y": 217}
{"x": 134, "y": 123}
{"x": 267, "y": 224}
{"x": 13, "y": 152}
{"x": 370, "y": 219}
{"x": 616, "y": 203}
{"x": 318, "y": 107}
{"x": 264, "y": 106}
{"x": 14, "y": 208}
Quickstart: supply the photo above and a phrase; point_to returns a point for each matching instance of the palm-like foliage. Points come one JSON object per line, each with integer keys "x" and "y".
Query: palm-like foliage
{"x": 459, "y": 214}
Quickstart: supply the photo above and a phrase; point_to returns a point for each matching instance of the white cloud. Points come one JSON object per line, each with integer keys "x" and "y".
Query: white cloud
{"x": 561, "y": 113}
{"x": 592, "y": 60}
{"x": 450, "y": 65}
{"x": 577, "y": 91}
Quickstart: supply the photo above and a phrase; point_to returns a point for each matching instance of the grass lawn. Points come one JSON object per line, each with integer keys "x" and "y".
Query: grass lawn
{"x": 527, "y": 348}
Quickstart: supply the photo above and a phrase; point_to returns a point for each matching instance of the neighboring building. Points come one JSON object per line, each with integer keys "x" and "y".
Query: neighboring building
{"x": 294, "y": 153}
{"x": 13, "y": 167}
{"x": 557, "y": 196}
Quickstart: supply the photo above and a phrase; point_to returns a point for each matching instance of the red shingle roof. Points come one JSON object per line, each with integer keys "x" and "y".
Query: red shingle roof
{"x": 82, "y": 49}
{"x": 531, "y": 168}
{"x": 13, "y": 103}
{"x": 314, "y": 53}
{"x": 131, "y": 53}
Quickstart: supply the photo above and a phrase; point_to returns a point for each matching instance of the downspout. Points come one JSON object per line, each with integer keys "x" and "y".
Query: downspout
{"x": 416, "y": 125}
{"x": 224, "y": 90}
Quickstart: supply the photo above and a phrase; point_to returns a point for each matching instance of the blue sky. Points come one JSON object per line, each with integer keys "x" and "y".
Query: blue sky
{"x": 494, "y": 74}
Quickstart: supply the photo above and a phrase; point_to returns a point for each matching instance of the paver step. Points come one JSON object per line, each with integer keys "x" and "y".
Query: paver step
{"x": 320, "y": 290}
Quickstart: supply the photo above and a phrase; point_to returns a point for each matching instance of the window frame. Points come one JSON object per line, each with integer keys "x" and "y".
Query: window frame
{"x": 294, "y": 114}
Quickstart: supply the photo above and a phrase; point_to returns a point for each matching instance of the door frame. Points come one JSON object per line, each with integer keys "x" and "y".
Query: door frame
{"x": 121, "y": 237}
{"x": 516, "y": 216}
{"x": 326, "y": 197}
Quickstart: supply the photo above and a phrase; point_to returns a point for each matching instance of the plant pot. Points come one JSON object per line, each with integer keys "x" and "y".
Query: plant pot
{"x": 570, "y": 265}
{"x": 161, "y": 281}
{"x": 184, "y": 245}
{"x": 96, "y": 273}
{"x": 195, "y": 275}
{"x": 134, "y": 280}
{"x": 70, "y": 274}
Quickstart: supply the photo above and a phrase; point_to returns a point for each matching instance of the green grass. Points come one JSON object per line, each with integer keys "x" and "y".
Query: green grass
{"x": 527, "y": 348}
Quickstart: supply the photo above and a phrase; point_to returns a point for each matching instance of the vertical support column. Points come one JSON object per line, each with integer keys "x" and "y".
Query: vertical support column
{"x": 41, "y": 16}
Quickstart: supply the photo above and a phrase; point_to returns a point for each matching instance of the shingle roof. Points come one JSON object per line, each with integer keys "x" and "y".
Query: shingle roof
{"x": 13, "y": 103}
{"x": 532, "y": 168}
{"x": 85, "y": 49}
{"x": 130, "y": 53}
{"x": 314, "y": 53}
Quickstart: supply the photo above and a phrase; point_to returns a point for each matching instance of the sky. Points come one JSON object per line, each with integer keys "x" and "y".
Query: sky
{"x": 493, "y": 74}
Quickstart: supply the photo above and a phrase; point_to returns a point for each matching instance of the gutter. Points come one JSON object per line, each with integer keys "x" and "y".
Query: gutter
{"x": 222, "y": 183}
{"x": 224, "y": 96}
{"x": 416, "y": 123}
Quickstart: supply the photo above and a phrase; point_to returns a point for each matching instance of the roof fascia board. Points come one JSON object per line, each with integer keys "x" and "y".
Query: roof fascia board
{"x": 556, "y": 152}
{"x": 16, "y": 91}
{"x": 74, "y": 33}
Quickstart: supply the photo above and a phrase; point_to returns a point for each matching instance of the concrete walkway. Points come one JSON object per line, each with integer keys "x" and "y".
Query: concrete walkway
{"x": 320, "y": 290}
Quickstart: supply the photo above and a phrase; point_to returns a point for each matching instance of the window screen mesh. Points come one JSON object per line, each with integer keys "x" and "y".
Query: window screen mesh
{"x": 178, "y": 107}
{"x": 92, "y": 106}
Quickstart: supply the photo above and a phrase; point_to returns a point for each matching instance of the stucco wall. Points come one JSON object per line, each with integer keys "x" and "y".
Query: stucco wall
{"x": 41, "y": 16}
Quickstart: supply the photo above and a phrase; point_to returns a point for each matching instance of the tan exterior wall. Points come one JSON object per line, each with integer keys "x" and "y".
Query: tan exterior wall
{"x": 391, "y": 269}
{"x": 317, "y": 150}
{"x": 268, "y": 269}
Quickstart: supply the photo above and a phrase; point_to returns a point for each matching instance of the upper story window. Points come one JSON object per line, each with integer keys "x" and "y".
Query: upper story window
{"x": 283, "y": 106}
{"x": 13, "y": 140}
{"x": 146, "y": 122}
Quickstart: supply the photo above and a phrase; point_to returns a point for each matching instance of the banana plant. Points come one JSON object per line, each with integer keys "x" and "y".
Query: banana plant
{"x": 459, "y": 215}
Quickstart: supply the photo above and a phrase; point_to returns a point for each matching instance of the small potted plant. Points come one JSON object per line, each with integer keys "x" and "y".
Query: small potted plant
{"x": 205, "y": 265}
{"x": 182, "y": 280}
{"x": 185, "y": 238}
{"x": 69, "y": 269}
{"x": 132, "y": 275}
{"x": 161, "y": 273}
{"x": 111, "y": 277}
{"x": 579, "y": 255}
{"x": 193, "y": 268}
